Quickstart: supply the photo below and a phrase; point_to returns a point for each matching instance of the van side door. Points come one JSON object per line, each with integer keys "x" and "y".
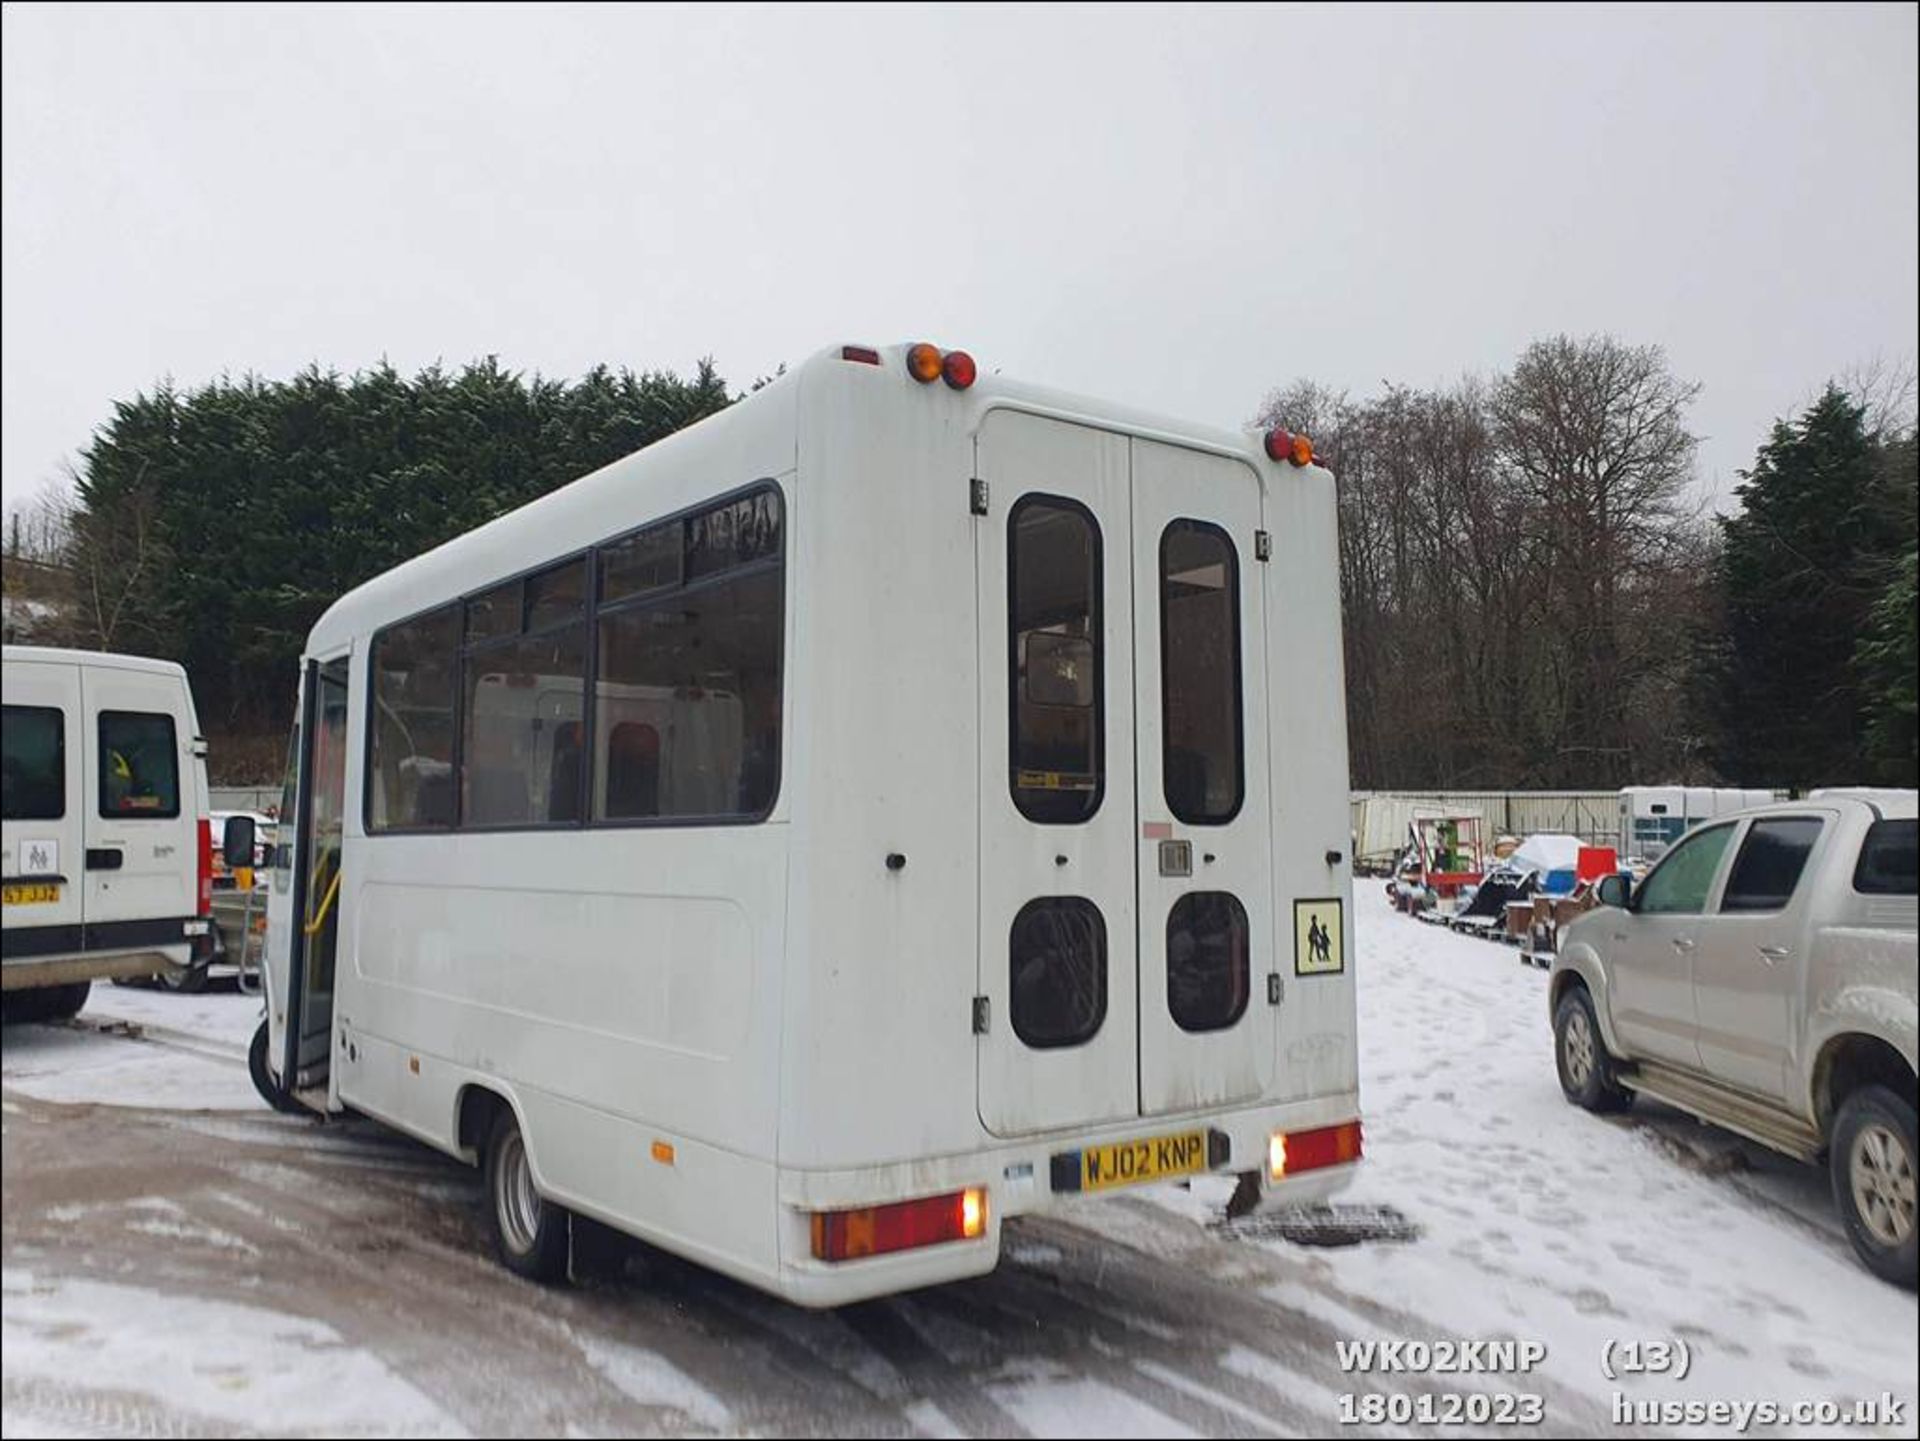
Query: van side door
{"x": 141, "y": 826}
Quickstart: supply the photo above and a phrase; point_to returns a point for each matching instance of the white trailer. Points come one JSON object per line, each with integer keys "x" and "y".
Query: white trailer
{"x": 1652, "y": 818}
{"x": 952, "y": 823}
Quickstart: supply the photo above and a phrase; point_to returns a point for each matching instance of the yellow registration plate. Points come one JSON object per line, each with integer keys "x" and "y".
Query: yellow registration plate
{"x": 28, "y": 895}
{"x": 1153, "y": 1159}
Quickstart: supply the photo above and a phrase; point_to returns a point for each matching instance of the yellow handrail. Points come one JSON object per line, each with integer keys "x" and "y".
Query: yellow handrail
{"x": 319, "y": 919}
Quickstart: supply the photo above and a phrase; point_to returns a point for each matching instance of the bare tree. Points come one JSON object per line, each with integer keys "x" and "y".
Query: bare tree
{"x": 1519, "y": 572}
{"x": 117, "y": 559}
{"x": 40, "y": 528}
{"x": 1595, "y": 432}
{"x": 1888, "y": 388}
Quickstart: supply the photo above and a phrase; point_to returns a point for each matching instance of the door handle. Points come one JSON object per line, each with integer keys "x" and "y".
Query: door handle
{"x": 1683, "y": 943}
{"x": 1775, "y": 954}
{"x": 104, "y": 858}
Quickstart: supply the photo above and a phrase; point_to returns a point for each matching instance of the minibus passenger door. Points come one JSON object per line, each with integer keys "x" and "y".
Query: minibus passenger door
{"x": 318, "y": 885}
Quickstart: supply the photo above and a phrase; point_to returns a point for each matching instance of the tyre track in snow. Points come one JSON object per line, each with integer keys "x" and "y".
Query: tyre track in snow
{"x": 381, "y": 1239}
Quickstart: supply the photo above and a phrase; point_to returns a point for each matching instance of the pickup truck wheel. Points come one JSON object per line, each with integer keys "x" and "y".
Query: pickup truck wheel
{"x": 529, "y": 1231}
{"x": 1586, "y": 1070}
{"x": 1874, "y": 1161}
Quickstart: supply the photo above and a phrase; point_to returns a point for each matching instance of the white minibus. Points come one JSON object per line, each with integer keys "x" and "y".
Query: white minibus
{"x": 905, "y": 800}
{"x": 106, "y": 864}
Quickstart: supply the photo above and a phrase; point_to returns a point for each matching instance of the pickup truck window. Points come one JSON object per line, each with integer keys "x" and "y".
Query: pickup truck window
{"x": 1889, "y": 858}
{"x": 1679, "y": 884}
{"x": 1769, "y": 864}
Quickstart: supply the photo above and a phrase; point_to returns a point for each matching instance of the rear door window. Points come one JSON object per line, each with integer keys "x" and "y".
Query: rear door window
{"x": 33, "y": 763}
{"x": 1058, "y": 760}
{"x": 1770, "y": 863}
{"x": 139, "y": 766}
{"x": 1058, "y": 953}
{"x": 1207, "y": 970}
{"x": 1888, "y": 859}
{"x": 1200, "y": 668}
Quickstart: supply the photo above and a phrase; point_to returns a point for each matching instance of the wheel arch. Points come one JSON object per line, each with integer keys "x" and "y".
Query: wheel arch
{"x": 1847, "y": 1062}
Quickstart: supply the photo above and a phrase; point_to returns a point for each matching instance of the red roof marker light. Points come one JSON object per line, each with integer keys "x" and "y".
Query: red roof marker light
{"x": 959, "y": 369}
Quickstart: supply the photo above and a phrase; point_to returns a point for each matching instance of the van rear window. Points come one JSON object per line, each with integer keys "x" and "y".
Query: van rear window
{"x": 33, "y": 764}
{"x": 1889, "y": 858}
{"x": 139, "y": 766}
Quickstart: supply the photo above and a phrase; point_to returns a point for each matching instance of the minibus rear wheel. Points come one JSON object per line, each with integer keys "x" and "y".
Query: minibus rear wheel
{"x": 529, "y": 1231}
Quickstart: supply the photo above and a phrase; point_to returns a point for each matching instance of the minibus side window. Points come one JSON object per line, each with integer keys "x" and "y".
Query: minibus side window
{"x": 692, "y": 622}
{"x": 410, "y": 767}
{"x": 33, "y": 763}
{"x": 139, "y": 766}
{"x": 1200, "y": 672}
{"x": 525, "y": 700}
{"x": 1057, "y": 762}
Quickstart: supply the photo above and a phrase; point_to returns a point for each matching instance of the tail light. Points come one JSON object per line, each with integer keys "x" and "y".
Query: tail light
{"x": 1291, "y": 1152}
{"x": 876, "y": 1230}
{"x": 206, "y": 866}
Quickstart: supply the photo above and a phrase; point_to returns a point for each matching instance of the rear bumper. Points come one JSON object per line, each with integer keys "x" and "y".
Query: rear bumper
{"x": 1016, "y": 1179}
{"x": 25, "y": 975}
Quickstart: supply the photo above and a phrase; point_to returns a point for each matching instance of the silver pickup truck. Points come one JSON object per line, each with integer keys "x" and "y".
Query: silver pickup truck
{"x": 1762, "y": 977}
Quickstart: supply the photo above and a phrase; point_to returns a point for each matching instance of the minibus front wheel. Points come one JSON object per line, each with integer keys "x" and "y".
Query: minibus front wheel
{"x": 271, "y": 1091}
{"x": 529, "y": 1231}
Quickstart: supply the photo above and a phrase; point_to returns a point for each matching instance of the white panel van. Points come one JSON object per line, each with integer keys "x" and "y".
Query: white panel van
{"x": 105, "y": 854}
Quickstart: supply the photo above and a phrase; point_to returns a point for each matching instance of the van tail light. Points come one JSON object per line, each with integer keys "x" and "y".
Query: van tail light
{"x": 876, "y": 1230}
{"x": 206, "y": 866}
{"x": 1291, "y": 1152}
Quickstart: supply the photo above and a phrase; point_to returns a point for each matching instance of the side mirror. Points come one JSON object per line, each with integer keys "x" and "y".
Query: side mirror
{"x": 1616, "y": 891}
{"x": 236, "y": 842}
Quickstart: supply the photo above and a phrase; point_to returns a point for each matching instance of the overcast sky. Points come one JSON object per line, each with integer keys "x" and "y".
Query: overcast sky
{"x": 1178, "y": 207}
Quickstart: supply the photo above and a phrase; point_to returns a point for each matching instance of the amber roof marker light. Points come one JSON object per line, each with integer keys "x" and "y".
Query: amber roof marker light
{"x": 925, "y": 363}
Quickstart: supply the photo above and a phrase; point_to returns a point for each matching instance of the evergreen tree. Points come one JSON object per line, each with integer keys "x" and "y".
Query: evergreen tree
{"x": 215, "y": 525}
{"x": 1803, "y": 565}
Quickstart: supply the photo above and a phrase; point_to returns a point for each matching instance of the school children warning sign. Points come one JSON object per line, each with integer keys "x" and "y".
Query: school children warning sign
{"x": 1318, "y": 947}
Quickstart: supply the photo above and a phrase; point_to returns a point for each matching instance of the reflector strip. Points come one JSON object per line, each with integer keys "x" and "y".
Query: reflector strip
{"x": 860, "y": 353}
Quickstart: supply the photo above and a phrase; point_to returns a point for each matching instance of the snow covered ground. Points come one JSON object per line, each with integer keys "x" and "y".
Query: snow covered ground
{"x": 1543, "y": 1222}
{"x": 183, "y": 1059}
{"x": 1136, "y": 1316}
